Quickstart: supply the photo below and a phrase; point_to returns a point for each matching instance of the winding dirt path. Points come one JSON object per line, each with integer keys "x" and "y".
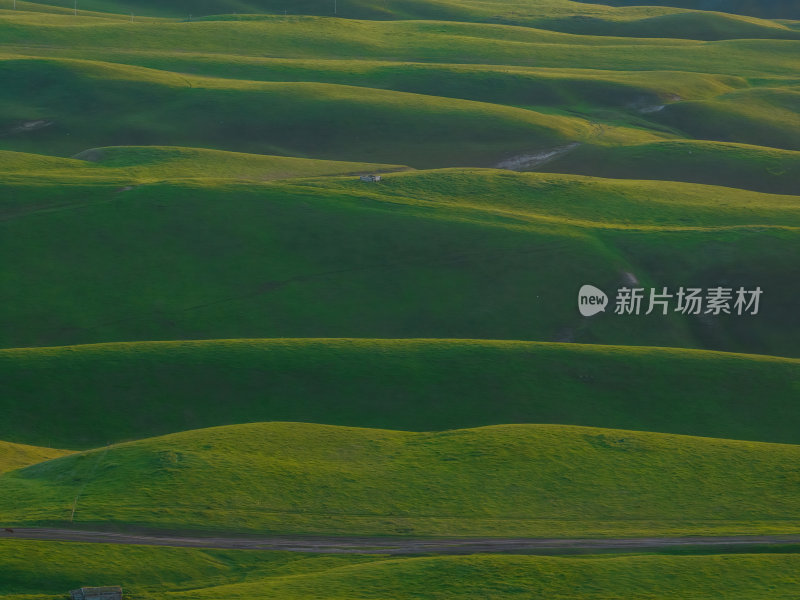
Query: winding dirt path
{"x": 385, "y": 545}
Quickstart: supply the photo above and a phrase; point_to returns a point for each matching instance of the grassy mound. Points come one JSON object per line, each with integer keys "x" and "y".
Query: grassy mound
{"x": 155, "y": 573}
{"x": 761, "y": 116}
{"x": 81, "y": 396}
{"x": 716, "y": 163}
{"x": 155, "y": 163}
{"x": 16, "y": 456}
{"x": 687, "y": 25}
{"x": 770, "y": 9}
{"x": 501, "y": 577}
{"x": 508, "y": 480}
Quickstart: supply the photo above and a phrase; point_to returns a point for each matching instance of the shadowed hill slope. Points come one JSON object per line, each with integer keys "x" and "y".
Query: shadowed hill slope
{"x": 112, "y": 392}
{"x": 449, "y": 253}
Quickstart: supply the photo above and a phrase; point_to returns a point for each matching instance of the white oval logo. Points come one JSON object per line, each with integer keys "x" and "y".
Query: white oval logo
{"x": 591, "y": 300}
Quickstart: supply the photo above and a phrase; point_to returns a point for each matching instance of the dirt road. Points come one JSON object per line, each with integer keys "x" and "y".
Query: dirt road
{"x": 384, "y": 545}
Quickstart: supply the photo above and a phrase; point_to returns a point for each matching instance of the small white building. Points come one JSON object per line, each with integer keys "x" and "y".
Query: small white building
{"x": 370, "y": 178}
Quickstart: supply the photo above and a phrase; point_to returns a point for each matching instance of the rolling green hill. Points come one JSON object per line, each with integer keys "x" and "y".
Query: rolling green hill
{"x": 772, "y": 9}
{"x": 156, "y": 163}
{"x": 450, "y": 254}
{"x": 500, "y": 577}
{"x": 89, "y": 105}
{"x": 153, "y": 573}
{"x": 413, "y": 41}
{"x": 507, "y": 480}
{"x": 717, "y": 163}
{"x": 83, "y": 396}
{"x": 559, "y": 15}
{"x": 757, "y": 116}
{"x": 16, "y": 456}
{"x": 339, "y": 357}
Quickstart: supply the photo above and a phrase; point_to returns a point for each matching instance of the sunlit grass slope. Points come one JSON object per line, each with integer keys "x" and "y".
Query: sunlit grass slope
{"x": 80, "y": 396}
{"x": 451, "y": 254}
{"x": 16, "y": 456}
{"x": 507, "y": 480}
{"x": 155, "y": 573}
{"x": 716, "y": 163}
{"x": 498, "y": 84}
{"x": 417, "y": 41}
{"x": 42, "y": 570}
{"x": 780, "y": 9}
{"x": 90, "y": 105}
{"x": 559, "y": 15}
{"x": 762, "y": 116}
{"x": 157, "y": 163}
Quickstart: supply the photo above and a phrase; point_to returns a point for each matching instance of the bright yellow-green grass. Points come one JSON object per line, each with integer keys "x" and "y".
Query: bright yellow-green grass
{"x": 780, "y": 9}
{"x": 500, "y": 84}
{"x": 506, "y": 480}
{"x": 559, "y": 15}
{"x": 81, "y": 396}
{"x": 16, "y": 456}
{"x": 45, "y": 570}
{"x": 144, "y": 164}
{"x": 417, "y": 41}
{"x": 451, "y": 254}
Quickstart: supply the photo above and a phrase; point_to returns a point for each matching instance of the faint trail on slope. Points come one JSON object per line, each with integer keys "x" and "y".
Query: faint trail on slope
{"x": 527, "y": 162}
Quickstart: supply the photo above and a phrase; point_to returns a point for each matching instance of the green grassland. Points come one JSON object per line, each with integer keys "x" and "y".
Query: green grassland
{"x": 90, "y": 107}
{"x": 421, "y": 93}
{"x": 412, "y": 41}
{"x": 717, "y": 163}
{"x": 780, "y": 9}
{"x": 558, "y": 15}
{"x": 143, "y": 164}
{"x": 176, "y": 178}
{"x": 16, "y": 456}
{"x": 507, "y": 480}
{"x": 68, "y": 396}
{"x": 450, "y": 254}
{"x": 44, "y": 570}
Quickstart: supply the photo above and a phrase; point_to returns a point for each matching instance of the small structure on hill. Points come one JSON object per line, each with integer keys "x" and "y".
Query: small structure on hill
{"x": 370, "y": 178}
{"x": 113, "y": 592}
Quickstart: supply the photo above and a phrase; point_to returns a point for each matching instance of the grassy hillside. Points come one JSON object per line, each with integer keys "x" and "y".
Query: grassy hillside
{"x": 152, "y": 573}
{"x": 762, "y": 116}
{"x": 451, "y": 254}
{"x": 508, "y": 480}
{"x": 717, "y": 163}
{"x": 415, "y": 41}
{"x": 80, "y": 397}
{"x": 771, "y": 9}
{"x": 45, "y": 570}
{"x": 559, "y": 15}
{"x": 156, "y": 163}
{"x": 498, "y": 84}
{"x": 16, "y": 456}
{"x": 322, "y": 120}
